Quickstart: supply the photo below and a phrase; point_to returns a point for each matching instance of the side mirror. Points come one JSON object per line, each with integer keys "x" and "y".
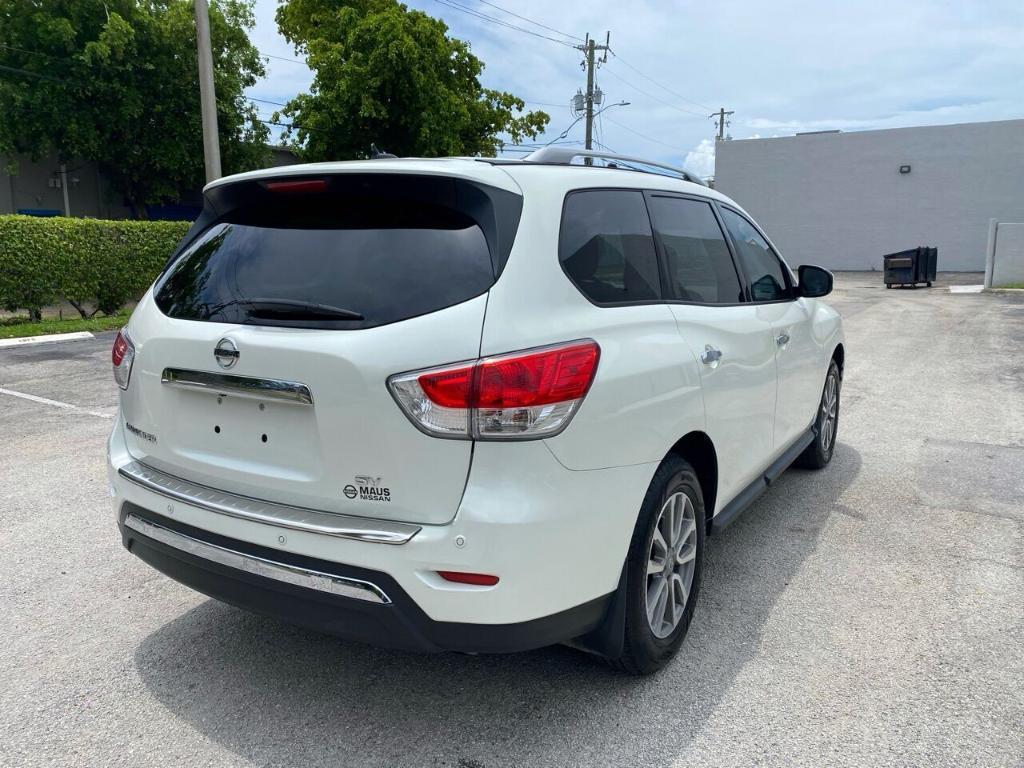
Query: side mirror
{"x": 814, "y": 281}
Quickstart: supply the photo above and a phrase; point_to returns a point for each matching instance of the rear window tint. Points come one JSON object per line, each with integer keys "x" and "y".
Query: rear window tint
{"x": 384, "y": 260}
{"x": 606, "y": 246}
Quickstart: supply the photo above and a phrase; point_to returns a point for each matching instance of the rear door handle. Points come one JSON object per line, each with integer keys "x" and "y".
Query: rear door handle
{"x": 782, "y": 339}
{"x": 711, "y": 355}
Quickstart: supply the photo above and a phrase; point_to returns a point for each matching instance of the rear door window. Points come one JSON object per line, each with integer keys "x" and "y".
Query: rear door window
{"x": 335, "y": 262}
{"x": 606, "y": 246}
{"x": 767, "y": 276}
{"x": 699, "y": 266}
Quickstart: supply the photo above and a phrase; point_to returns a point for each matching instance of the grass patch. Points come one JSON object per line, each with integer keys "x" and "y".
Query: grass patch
{"x": 15, "y": 327}
{"x": 1010, "y": 285}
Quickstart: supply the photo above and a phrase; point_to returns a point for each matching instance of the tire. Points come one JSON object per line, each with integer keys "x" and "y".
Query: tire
{"x": 818, "y": 454}
{"x": 888, "y": 285}
{"x": 929, "y": 283}
{"x": 674, "y": 490}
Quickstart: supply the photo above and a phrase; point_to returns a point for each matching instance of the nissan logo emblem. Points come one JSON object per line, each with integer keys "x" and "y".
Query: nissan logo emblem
{"x": 226, "y": 353}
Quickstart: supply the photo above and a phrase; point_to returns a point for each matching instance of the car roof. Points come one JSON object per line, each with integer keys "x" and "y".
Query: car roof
{"x": 595, "y": 176}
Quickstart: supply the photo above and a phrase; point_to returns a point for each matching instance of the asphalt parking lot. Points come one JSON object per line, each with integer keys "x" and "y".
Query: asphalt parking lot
{"x": 871, "y": 614}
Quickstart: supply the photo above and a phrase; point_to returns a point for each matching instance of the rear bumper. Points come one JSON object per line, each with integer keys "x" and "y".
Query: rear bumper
{"x": 350, "y": 602}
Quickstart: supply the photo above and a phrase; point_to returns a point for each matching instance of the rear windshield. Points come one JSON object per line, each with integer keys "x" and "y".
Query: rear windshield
{"x": 350, "y": 262}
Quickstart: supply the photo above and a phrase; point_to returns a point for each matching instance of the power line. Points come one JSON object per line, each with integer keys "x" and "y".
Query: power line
{"x": 281, "y": 58}
{"x": 531, "y": 21}
{"x": 266, "y": 101}
{"x": 465, "y": 9}
{"x": 663, "y": 87}
{"x": 652, "y": 96}
{"x": 34, "y": 53}
{"x": 644, "y": 136}
{"x": 20, "y": 71}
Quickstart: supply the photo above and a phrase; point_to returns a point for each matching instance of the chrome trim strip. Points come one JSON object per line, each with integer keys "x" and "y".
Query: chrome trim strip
{"x": 267, "y": 512}
{"x": 246, "y": 386}
{"x": 269, "y": 569}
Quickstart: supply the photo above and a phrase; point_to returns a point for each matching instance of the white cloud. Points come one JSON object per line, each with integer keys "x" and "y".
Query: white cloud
{"x": 701, "y": 160}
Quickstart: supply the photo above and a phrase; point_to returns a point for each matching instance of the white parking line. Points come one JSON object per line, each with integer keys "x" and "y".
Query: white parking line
{"x": 54, "y": 403}
{"x": 49, "y": 338}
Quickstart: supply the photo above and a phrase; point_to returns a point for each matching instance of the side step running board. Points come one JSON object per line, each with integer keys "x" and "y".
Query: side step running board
{"x": 748, "y": 495}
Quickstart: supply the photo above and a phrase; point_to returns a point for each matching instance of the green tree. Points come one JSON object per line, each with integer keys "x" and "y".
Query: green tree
{"x": 391, "y": 76}
{"x": 116, "y": 82}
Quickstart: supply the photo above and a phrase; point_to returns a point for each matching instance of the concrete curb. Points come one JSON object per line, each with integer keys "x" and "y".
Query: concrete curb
{"x": 45, "y": 339}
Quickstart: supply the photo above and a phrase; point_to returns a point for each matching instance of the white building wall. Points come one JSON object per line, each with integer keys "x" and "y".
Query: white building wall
{"x": 839, "y": 200}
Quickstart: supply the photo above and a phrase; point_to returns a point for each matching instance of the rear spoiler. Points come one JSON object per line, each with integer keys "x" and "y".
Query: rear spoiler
{"x": 496, "y": 211}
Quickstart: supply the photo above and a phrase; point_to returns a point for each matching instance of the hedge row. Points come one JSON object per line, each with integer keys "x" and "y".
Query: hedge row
{"x": 83, "y": 261}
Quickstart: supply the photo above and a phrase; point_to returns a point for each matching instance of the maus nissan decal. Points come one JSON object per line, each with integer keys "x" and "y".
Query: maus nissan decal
{"x": 368, "y": 488}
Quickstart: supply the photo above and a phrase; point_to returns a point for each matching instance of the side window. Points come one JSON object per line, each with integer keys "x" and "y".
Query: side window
{"x": 606, "y": 246}
{"x": 764, "y": 270}
{"x": 699, "y": 266}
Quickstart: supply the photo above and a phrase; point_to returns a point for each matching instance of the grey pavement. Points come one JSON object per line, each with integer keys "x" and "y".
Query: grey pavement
{"x": 868, "y": 615}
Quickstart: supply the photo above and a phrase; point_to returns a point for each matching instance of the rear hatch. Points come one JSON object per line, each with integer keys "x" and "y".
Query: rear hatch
{"x": 263, "y": 350}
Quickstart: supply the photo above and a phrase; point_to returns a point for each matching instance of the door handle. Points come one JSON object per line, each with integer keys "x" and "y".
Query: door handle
{"x": 711, "y": 355}
{"x": 782, "y": 339}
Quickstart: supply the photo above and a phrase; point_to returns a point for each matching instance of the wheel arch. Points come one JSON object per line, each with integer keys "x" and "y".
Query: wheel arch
{"x": 839, "y": 355}
{"x": 698, "y": 449}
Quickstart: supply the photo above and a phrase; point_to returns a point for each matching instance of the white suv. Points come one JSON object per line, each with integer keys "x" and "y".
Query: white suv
{"x": 466, "y": 404}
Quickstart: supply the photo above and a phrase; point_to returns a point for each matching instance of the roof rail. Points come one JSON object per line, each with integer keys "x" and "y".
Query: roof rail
{"x": 565, "y": 156}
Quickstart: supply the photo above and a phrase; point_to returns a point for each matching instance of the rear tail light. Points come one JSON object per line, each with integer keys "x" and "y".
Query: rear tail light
{"x": 522, "y": 395}
{"x": 122, "y": 356}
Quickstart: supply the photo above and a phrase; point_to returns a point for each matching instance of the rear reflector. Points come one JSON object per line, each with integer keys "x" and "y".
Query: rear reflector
{"x": 521, "y": 395}
{"x": 479, "y": 579}
{"x": 299, "y": 186}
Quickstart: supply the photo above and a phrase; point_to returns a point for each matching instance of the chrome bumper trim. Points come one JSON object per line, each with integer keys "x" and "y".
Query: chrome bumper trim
{"x": 267, "y": 512}
{"x": 245, "y": 386}
{"x": 268, "y": 569}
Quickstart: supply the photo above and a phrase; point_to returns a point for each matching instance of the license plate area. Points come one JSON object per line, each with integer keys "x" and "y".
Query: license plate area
{"x": 245, "y": 434}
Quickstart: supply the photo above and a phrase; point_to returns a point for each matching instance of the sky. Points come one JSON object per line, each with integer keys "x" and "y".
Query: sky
{"x": 781, "y": 67}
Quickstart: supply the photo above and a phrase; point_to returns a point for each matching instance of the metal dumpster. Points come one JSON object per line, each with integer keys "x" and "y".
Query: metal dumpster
{"x": 917, "y": 265}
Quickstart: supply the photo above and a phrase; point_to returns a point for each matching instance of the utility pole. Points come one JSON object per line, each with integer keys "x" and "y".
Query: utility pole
{"x": 719, "y": 117}
{"x": 207, "y": 96}
{"x": 590, "y": 49}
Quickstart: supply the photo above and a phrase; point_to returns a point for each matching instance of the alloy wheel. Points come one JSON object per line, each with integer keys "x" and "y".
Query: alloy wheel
{"x": 829, "y": 411}
{"x": 670, "y": 564}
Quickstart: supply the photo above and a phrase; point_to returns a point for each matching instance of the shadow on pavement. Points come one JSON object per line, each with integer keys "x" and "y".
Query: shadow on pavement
{"x": 275, "y": 694}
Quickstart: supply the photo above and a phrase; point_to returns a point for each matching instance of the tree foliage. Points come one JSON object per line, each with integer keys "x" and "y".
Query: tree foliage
{"x": 116, "y": 82}
{"x": 387, "y": 75}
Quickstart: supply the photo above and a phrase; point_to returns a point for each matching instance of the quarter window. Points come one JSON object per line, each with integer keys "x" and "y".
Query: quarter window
{"x": 697, "y": 258}
{"x": 606, "y": 246}
{"x": 767, "y": 276}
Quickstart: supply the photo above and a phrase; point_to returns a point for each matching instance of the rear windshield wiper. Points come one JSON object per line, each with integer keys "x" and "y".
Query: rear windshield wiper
{"x": 288, "y": 309}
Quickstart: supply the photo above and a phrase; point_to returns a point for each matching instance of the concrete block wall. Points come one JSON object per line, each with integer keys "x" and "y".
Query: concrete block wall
{"x": 840, "y": 201}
